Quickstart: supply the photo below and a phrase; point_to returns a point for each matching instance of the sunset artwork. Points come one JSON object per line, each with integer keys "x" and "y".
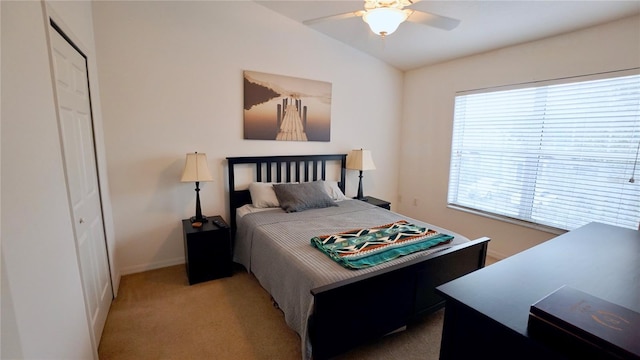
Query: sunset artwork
{"x": 286, "y": 108}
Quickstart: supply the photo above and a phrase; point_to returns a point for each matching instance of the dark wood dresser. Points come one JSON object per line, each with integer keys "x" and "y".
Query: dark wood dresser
{"x": 487, "y": 311}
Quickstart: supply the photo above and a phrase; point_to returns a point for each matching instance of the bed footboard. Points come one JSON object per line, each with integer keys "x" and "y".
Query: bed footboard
{"x": 372, "y": 305}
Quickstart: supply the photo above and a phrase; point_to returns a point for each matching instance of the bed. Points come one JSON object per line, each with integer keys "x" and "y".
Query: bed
{"x": 333, "y": 308}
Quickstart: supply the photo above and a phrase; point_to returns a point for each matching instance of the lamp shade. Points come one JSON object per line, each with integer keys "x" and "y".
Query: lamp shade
{"x": 385, "y": 20}
{"x": 360, "y": 160}
{"x": 196, "y": 169}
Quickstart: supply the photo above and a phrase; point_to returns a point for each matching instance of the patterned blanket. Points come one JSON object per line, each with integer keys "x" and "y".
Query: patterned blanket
{"x": 362, "y": 248}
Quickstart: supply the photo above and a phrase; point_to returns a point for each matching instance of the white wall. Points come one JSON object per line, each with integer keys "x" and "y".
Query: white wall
{"x": 43, "y": 312}
{"x": 171, "y": 83}
{"x": 428, "y": 117}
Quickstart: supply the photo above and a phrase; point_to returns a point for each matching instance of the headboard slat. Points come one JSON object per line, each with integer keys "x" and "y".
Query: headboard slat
{"x": 259, "y": 171}
{"x": 315, "y": 170}
{"x": 269, "y": 165}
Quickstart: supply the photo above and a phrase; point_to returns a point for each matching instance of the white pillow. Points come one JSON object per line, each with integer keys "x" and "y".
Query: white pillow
{"x": 262, "y": 195}
{"x": 334, "y": 191}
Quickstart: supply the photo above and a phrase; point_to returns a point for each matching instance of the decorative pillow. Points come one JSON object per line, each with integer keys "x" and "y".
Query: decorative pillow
{"x": 299, "y": 197}
{"x": 334, "y": 191}
{"x": 262, "y": 195}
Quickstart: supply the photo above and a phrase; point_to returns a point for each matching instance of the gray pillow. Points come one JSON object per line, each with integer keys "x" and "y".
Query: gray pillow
{"x": 299, "y": 197}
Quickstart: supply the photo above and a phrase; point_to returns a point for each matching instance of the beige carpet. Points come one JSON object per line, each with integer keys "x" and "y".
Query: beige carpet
{"x": 157, "y": 315}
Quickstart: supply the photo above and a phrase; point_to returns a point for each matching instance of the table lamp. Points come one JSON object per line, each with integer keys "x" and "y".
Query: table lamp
{"x": 360, "y": 160}
{"x": 196, "y": 170}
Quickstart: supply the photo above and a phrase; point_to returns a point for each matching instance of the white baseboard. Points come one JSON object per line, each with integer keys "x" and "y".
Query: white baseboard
{"x": 152, "y": 266}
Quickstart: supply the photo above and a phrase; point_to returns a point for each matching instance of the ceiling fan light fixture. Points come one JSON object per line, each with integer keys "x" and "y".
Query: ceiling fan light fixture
{"x": 384, "y": 21}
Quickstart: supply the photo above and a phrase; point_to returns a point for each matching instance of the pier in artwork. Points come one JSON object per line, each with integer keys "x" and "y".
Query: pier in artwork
{"x": 291, "y": 120}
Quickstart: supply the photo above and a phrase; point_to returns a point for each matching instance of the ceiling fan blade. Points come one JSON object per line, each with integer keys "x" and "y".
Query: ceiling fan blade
{"x": 438, "y": 21}
{"x": 334, "y": 17}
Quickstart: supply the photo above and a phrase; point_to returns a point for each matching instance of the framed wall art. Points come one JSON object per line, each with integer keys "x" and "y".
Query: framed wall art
{"x": 285, "y": 108}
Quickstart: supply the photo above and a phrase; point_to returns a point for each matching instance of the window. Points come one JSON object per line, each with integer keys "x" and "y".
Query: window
{"x": 558, "y": 155}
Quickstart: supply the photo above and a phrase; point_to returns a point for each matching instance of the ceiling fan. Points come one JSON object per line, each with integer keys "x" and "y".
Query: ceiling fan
{"x": 384, "y": 16}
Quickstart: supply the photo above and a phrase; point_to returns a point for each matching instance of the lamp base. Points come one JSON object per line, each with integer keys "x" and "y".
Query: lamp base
{"x": 360, "y": 196}
{"x": 199, "y": 218}
{"x": 203, "y": 219}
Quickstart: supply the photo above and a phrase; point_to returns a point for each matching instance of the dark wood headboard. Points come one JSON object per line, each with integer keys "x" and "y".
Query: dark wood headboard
{"x": 286, "y": 168}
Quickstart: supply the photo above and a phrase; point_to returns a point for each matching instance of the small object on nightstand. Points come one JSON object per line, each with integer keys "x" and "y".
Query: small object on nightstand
{"x": 217, "y": 221}
{"x": 207, "y": 250}
{"x": 196, "y": 224}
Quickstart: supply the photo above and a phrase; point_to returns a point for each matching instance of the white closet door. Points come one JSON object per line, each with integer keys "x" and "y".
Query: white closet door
{"x": 76, "y": 129}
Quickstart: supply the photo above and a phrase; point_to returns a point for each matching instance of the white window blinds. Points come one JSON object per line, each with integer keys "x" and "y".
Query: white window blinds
{"x": 559, "y": 155}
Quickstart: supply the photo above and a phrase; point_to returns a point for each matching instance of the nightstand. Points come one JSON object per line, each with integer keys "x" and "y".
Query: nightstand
{"x": 377, "y": 202}
{"x": 207, "y": 251}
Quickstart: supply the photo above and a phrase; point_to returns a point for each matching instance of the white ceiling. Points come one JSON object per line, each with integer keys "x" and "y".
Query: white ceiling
{"x": 485, "y": 25}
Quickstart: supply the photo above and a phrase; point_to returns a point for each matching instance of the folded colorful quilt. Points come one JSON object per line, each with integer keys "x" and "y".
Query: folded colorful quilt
{"x": 362, "y": 248}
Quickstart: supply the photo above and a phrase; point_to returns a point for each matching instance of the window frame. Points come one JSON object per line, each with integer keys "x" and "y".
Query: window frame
{"x": 525, "y": 85}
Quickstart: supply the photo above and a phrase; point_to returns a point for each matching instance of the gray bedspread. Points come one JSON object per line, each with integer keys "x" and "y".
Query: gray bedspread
{"x": 275, "y": 247}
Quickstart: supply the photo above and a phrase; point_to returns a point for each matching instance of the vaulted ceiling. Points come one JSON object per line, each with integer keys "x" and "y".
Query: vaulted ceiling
{"x": 484, "y": 25}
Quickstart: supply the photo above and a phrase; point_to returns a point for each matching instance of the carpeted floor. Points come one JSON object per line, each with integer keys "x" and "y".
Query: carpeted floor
{"x": 157, "y": 315}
